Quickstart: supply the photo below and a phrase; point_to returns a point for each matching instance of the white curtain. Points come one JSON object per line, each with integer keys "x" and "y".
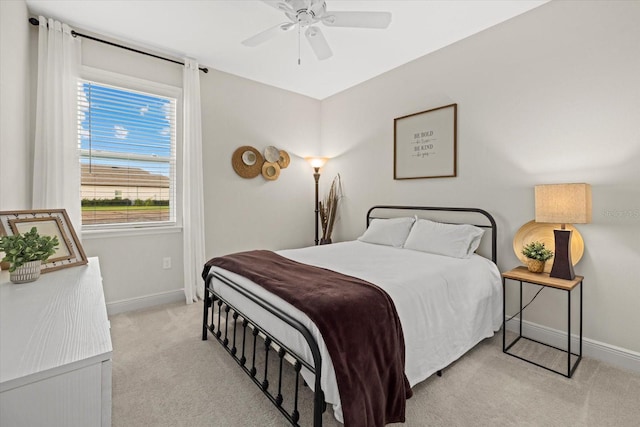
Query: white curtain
{"x": 56, "y": 168}
{"x": 192, "y": 187}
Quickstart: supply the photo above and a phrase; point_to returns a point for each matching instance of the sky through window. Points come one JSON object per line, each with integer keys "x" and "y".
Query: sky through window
{"x": 119, "y": 127}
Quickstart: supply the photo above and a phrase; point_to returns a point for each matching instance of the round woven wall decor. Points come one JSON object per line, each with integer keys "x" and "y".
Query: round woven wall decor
{"x": 271, "y": 154}
{"x": 284, "y": 159}
{"x": 270, "y": 171}
{"x": 247, "y": 161}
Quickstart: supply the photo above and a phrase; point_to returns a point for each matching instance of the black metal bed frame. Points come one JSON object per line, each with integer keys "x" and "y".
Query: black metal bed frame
{"x": 211, "y": 298}
{"x": 230, "y": 340}
{"x": 492, "y": 222}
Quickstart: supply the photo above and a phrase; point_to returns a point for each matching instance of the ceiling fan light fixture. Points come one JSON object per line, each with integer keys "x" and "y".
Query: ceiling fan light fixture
{"x": 329, "y": 19}
{"x": 305, "y": 18}
{"x": 306, "y": 13}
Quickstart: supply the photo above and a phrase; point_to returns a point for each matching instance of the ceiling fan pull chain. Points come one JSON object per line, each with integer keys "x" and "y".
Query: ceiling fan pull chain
{"x": 298, "y": 44}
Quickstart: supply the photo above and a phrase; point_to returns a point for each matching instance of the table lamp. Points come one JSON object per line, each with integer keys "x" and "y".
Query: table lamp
{"x": 563, "y": 204}
{"x": 316, "y": 163}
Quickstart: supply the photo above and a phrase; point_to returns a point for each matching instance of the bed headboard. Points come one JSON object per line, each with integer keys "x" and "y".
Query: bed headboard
{"x": 474, "y": 216}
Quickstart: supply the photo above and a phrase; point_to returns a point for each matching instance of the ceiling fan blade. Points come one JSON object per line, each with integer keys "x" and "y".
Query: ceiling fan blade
{"x": 318, "y": 43}
{"x": 357, "y": 19}
{"x": 268, "y": 34}
{"x": 280, "y": 5}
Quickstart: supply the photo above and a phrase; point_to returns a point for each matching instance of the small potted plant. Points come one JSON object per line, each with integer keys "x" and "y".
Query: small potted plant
{"x": 536, "y": 255}
{"x": 25, "y": 253}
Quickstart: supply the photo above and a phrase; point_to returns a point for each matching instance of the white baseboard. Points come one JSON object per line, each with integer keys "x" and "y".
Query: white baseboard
{"x": 616, "y": 356}
{"x": 146, "y": 301}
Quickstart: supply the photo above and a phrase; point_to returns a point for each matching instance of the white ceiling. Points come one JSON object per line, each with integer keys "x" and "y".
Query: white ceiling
{"x": 211, "y": 32}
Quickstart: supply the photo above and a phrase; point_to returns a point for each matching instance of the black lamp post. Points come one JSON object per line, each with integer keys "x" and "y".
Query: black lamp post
{"x": 316, "y": 163}
{"x": 316, "y": 176}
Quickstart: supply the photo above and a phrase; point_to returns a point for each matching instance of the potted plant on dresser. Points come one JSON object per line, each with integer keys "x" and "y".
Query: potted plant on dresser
{"x": 537, "y": 255}
{"x": 25, "y": 253}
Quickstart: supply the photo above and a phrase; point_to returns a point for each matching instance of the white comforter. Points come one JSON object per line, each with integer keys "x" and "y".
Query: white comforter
{"x": 445, "y": 305}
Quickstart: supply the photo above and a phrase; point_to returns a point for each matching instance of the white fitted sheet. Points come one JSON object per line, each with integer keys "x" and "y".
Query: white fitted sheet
{"x": 445, "y": 305}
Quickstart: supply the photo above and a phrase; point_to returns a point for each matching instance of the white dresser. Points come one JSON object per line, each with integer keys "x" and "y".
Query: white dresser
{"x": 55, "y": 350}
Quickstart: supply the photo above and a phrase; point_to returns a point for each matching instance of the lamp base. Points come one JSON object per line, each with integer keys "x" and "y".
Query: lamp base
{"x": 562, "y": 265}
{"x": 316, "y": 176}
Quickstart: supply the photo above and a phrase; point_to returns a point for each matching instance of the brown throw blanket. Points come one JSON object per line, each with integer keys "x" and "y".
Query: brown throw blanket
{"x": 359, "y": 325}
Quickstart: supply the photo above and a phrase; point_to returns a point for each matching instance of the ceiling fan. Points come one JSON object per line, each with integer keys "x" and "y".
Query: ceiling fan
{"x": 304, "y": 14}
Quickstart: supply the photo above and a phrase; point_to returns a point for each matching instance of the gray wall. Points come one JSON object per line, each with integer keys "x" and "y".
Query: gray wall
{"x": 550, "y": 96}
{"x": 243, "y": 214}
{"x": 15, "y": 90}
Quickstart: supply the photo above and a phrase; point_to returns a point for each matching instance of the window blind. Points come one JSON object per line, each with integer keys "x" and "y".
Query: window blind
{"x": 127, "y": 145}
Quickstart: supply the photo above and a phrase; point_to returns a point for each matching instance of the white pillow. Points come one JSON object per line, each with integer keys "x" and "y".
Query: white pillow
{"x": 390, "y": 232}
{"x": 454, "y": 240}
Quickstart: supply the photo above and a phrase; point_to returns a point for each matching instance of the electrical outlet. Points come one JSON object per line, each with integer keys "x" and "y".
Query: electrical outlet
{"x": 166, "y": 263}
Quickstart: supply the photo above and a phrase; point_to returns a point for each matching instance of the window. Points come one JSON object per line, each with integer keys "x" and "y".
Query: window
{"x": 127, "y": 144}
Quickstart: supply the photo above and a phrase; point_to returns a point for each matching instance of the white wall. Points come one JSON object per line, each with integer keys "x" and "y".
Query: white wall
{"x": 550, "y": 96}
{"x": 15, "y": 90}
{"x": 245, "y": 214}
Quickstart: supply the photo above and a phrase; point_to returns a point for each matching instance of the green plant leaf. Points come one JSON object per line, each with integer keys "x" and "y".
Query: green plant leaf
{"x": 537, "y": 250}
{"x": 29, "y": 246}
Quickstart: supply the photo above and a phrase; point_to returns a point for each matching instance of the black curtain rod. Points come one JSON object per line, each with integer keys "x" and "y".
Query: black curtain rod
{"x": 34, "y": 21}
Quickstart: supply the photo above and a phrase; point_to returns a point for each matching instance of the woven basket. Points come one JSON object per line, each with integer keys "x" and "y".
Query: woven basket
{"x": 535, "y": 266}
{"x": 270, "y": 171}
{"x": 243, "y": 169}
{"x": 284, "y": 159}
{"x": 27, "y": 272}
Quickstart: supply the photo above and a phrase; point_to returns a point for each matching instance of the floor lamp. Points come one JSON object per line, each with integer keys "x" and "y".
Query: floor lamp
{"x": 563, "y": 204}
{"x": 316, "y": 163}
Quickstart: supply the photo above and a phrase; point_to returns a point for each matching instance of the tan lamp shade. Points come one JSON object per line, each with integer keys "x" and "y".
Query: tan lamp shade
{"x": 563, "y": 203}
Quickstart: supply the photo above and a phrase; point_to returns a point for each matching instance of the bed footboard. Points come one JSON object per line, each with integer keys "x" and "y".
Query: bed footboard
{"x": 238, "y": 334}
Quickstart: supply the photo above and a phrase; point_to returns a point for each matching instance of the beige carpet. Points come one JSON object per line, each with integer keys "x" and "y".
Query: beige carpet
{"x": 164, "y": 375}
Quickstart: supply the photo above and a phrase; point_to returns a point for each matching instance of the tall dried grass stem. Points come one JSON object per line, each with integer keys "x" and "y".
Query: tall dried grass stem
{"x": 329, "y": 207}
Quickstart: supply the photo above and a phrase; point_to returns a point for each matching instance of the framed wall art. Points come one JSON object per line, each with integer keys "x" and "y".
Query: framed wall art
{"x": 54, "y": 222}
{"x": 425, "y": 144}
